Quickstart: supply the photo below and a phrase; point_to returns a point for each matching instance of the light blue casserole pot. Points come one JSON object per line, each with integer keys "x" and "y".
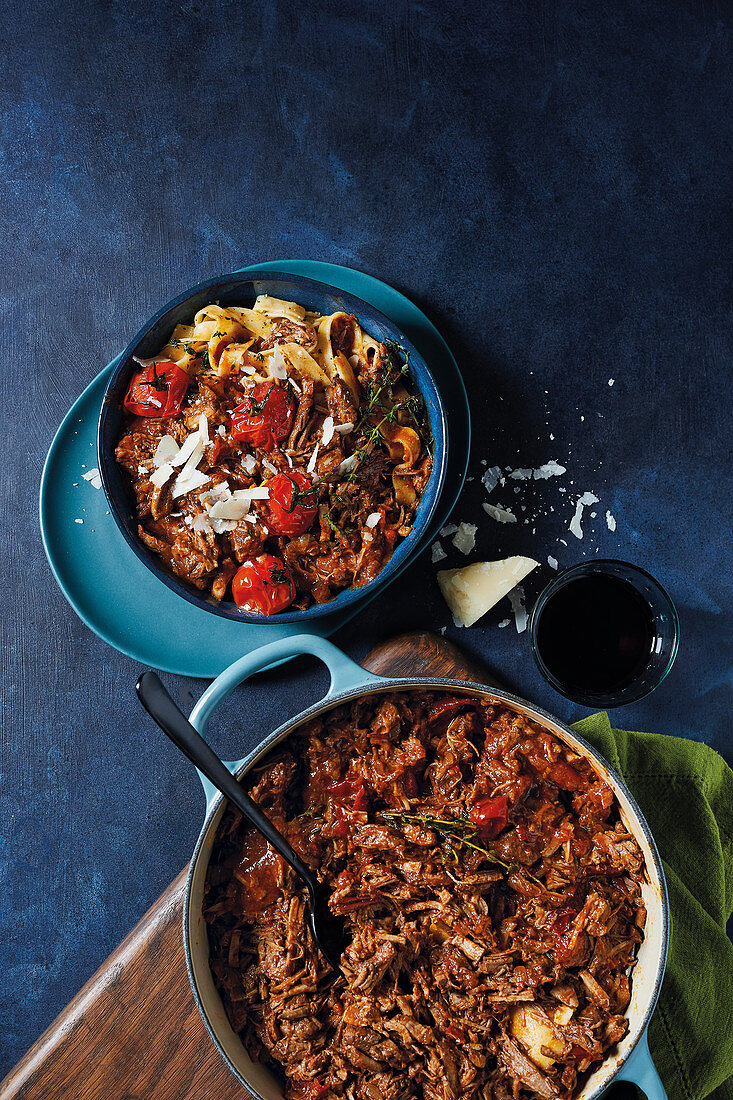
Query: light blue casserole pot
{"x": 241, "y": 288}
{"x": 630, "y": 1062}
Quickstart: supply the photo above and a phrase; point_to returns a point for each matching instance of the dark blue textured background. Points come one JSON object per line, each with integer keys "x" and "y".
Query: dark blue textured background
{"x": 547, "y": 181}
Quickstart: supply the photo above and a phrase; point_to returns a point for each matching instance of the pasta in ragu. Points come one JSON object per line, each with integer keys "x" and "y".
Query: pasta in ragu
{"x": 274, "y": 450}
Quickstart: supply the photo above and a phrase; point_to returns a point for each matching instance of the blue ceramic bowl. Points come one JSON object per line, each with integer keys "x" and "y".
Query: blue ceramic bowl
{"x": 242, "y": 289}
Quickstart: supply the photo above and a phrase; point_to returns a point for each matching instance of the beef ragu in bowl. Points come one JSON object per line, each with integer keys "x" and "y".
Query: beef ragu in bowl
{"x": 276, "y": 456}
{"x": 493, "y": 899}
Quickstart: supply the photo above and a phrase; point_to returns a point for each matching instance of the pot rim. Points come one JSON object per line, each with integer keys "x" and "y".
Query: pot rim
{"x": 386, "y": 684}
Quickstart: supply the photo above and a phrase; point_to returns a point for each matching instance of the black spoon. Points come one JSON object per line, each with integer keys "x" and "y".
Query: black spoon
{"x": 328, "y": 930}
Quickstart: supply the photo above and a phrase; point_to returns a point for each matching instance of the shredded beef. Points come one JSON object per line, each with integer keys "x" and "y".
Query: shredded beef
{"x": 492, "y": 922}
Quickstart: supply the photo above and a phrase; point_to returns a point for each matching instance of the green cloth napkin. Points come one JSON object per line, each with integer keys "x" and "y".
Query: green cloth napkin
{"x": 685, "y": 791}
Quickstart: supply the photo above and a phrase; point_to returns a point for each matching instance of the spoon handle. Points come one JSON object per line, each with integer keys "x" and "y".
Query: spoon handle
{"x": 164, "y": 711}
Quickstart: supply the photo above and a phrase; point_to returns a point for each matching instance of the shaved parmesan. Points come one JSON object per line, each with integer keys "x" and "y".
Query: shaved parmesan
{"x": 277, "y": 364}
{"x": 492, "y": 477}
{"x": 189, "y": 446}
{"x": 472, "y": 591}
{"x": 232, "y": 508}
{"x": 465, "y": 538}
{"x": 193, "y": 460}
{"x": 257, "y": 492}
{"x": 201, "y": 523}
{"x": 222, "y": 431}
{"x": 195, "y": 481}
{"x": 269, "y": 466}
{"x": 550, "y": 469}
{"x": 203, "y": 428}
{"x": 344, "y": 429}
{"x": 312, "y": 460}
{"x": 328, "y": 430}
{"x": 94, "y": 477}
{"x": 373, "y": 519}
{"x": 250, "y": 463}
{"x": 582, "y": 502}
{"x": 501, "y": 515}
{"x": 347, "y": 465}
{"x": 449, "y": 529}
{"x": 552, "y": 562}
{"x": 438, "y": 553}
{"x": 610, "y": 521}
{"x": 161, "y": 475}
{"x": 166, "y": 451}
{"x": 516, "y": 599}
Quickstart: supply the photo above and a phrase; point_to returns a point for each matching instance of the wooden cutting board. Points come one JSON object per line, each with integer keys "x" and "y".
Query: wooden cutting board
{"x": 134, "y": 1032}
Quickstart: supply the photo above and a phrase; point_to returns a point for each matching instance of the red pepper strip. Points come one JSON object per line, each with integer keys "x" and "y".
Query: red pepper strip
{"x": 157, "y": 390}
{"x": 490, "y": 815}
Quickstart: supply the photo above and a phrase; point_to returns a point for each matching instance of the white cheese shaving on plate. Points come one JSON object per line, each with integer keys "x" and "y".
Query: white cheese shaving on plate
{"x": 465, "y": 537}
{"x": 203, "y": 428}
{"x": 501, "y": 515}
{"x": 610, "y": 521}
{"x": 189, "y": 446}
{"x": 552, "y": 562}
{"x": 449, "y": 529}
{"x": 344, "y": 429}
{"x": 373, "y": 519}
{"x": 195, "y": 481}
{"x": 250, "y": 463}
{"x": 312, "y": 460}
{"x": 472, "y": 591}
{"x": 438, "y": 553}
{"x": 94, "y": 477}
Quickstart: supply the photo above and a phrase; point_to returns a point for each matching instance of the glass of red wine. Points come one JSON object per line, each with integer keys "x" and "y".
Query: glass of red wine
{"x": 604, "y": 633}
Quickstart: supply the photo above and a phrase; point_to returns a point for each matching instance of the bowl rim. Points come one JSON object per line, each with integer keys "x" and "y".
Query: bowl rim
{"x": 349, "y": 596}
{"x": 204, "y": 844}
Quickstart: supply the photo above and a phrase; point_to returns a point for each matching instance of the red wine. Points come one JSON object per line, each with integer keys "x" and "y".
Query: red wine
{"x": 595, "y": 634}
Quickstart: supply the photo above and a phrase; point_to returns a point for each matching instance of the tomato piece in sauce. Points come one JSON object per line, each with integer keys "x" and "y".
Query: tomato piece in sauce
{"x": 265, "y": 417}
{"x": 444, "y": 708}
{"x": 292, "y": 504}
{"x": 263, "y": 585}
{"x": 346, "y": 801}
{"x": 566, "y": 777}
{"x": 157, "y": 391}
{"x": 490, "y": 815}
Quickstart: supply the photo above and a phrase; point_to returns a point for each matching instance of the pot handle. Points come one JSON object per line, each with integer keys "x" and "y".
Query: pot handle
{"x": 641, "y": 1071}
{"x": 345, "y": 674}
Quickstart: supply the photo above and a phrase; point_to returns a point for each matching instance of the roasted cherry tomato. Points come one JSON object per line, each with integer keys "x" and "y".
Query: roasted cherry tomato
{"x": 157, "y": 390}
{"x": 265, "y": 416}
{"x": 263, "y": 585}
{"x": 490, "y": 815}
{"x": 292, "y": 504}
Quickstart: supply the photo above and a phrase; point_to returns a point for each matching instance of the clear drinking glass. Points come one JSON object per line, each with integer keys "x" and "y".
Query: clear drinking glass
{"x": 662, "y": 623}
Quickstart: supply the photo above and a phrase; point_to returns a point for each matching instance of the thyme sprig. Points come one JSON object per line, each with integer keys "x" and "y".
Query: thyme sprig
{"x": 457, "y": 832}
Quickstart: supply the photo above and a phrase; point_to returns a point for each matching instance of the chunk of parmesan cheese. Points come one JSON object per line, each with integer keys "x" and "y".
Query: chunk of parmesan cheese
{"x": 472, "y": 591}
